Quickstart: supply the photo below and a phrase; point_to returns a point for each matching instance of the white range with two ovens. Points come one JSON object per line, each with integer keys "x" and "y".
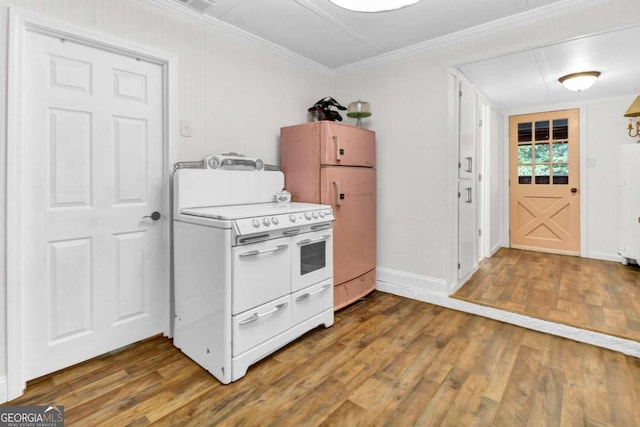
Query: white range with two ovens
{"x": 250, "y": 274}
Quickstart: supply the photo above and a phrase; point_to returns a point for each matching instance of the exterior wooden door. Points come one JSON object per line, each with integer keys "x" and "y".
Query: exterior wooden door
{"x": 545, "y": 182}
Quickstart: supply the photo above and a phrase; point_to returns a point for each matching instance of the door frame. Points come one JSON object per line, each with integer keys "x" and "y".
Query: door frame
{"x": 20, "y": 22}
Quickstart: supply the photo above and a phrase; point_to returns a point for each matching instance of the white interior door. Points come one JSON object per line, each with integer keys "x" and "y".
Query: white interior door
{"x": 94, "y": 271}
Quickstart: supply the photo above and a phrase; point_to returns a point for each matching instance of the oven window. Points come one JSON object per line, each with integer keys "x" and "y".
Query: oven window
{"x": 312, "y": 257}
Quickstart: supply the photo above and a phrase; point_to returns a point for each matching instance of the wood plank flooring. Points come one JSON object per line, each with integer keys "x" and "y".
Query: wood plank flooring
{"x": 601, "y": 296}
{"x": 387, "y": 361}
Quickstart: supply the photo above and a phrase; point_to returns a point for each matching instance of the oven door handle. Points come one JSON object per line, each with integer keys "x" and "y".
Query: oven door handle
{"x": 257, "y": 316}
{"x": 319, "y": 227}
{"x": 308, "y": 295}
{"x": 264, "y": 251}
{"x": 309, "y": 241}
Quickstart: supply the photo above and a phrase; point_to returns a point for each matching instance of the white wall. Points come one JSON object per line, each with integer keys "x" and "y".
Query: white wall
{"x": 236, "y": 92}
{"x": 497, "y": 176}
{"x": 409, "y": 101}
{"x": 605, "y": 131}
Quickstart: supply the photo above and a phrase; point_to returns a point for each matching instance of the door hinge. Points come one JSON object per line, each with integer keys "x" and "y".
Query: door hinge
{"x": 480, "y": 232}
{"x": 458, "y": 266}
{"x": 458, "y": 194}
{"x": 479, "y": 177}
{"x": 460, "y": 93}
{"x": 480, "y": 123}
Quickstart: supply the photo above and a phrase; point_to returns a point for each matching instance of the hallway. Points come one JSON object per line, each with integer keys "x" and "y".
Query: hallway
{"x": 600, "y": 296}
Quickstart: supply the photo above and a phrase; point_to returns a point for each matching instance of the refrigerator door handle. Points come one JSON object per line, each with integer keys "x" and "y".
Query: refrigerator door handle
{"x": 339, "y": 151}
{"x": 339, "y": 195}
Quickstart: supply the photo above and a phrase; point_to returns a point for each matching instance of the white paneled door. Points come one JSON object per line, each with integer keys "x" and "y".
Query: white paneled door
{"x": 467, "y": 195}
{"x": 94, "y": 268}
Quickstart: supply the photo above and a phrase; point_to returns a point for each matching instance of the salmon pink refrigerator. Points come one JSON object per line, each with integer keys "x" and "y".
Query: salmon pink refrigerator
{"x": 334, "y": 164}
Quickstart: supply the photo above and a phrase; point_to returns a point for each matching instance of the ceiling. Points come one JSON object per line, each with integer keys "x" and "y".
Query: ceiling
{"x": 334, "y": 37}
{"x": 531, "y": 77}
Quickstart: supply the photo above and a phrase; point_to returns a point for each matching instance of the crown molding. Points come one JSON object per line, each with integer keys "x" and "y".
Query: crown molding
{"x": 545, "y": 12}
{"x": 276, "y": 49}
{"x": 550, "y": 11}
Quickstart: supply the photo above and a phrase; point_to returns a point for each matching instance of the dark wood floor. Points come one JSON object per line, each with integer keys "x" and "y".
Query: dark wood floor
{"x": 387, "y": 360}
{"x": 601, "y": 296}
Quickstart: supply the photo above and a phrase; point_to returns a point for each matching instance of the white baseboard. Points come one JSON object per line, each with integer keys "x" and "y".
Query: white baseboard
{"x": 4, "y": 392}
{"x": 604, "y": 257}
{"x": 430, "y": 290}
{"x": 413, "y": 281}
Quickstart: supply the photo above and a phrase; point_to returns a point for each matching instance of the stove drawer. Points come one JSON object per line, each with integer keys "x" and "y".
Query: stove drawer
{"x": 311, "y": 301}
{"x": 261, "y": 272}
{"x": 257, "y": 325}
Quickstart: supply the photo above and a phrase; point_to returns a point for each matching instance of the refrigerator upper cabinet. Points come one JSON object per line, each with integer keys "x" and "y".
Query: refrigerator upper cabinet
{"x": 351, "y": 192}
{"x": 344, "y": 145}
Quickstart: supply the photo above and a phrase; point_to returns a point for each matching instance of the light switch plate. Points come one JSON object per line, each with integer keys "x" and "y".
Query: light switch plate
{"x": 185, "y": 128}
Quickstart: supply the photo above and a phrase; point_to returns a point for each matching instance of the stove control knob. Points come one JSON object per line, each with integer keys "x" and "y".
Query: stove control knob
{"x": 322, "y": 214}
{"x": 255, "y": 223}
{"x": 292, "y": 218}
{"x": 275, "y": 221}
{"x": 327, "y": 212}
{"x": 315, "y": 214}
{"x": 266, "y": 221}
{"x": 307, "y": 215}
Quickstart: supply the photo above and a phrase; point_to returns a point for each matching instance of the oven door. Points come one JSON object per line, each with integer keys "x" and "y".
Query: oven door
{"x": 312, "y": 258}
{"x": 260, "y": 273}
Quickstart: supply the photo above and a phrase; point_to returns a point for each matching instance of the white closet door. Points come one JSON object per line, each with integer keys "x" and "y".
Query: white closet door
{"x": 468, "y": 126}
{"x": 467, "y": 185}
{"x": 94, "y": 269}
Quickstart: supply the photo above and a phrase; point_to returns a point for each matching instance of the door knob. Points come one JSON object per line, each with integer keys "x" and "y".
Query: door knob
{"x": 574, "y": 190}
{"x": 154, "y": 216}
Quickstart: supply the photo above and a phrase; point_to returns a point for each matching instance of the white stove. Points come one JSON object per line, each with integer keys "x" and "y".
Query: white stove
{"x": 251, "y": 275}
{"x": 276, "y": 219}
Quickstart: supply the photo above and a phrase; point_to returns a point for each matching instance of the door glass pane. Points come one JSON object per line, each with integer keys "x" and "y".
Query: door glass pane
{"x": 561, "y": 129}
{"x": 524, "y": 132}
{"x": 524, "y": 153}
{"x": 524, "y": 174}
{"x": 561, "y": 173}
{"x": 561, "y": 151}
{"x": 542, "y": 130}
{"x": 542, "y": 153}
{"x": 542, "y": 174}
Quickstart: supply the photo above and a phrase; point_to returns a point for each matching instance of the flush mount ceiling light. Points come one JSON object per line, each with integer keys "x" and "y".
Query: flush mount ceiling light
{"x": 579, "y": 81}
{"x": 373, "y": 5}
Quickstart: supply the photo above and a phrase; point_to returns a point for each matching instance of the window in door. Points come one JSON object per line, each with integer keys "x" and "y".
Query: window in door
{"x": 543, "y": 152}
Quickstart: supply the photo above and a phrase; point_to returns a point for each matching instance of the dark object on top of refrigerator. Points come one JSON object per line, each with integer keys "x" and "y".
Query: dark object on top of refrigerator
{"x": 321, "y": 110}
